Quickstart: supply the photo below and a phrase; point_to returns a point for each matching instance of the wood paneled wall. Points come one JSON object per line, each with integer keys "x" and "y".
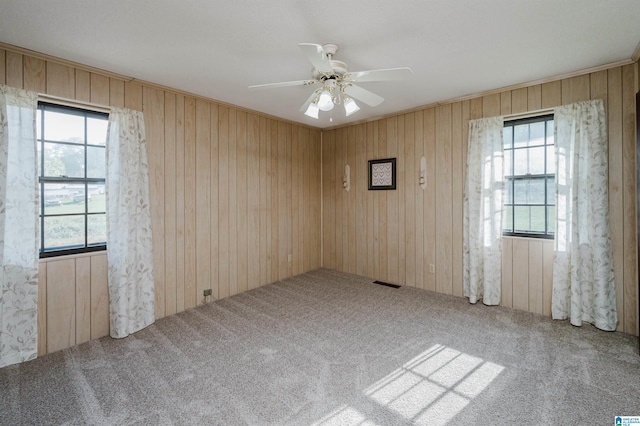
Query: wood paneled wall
{"x": 396, "y": 235}
{"x": 233, "y": 194}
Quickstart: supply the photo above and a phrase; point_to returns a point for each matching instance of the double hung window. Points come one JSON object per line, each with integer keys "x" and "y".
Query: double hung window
{"x": 529, "y": 208}
{"x": 71, "y": 164}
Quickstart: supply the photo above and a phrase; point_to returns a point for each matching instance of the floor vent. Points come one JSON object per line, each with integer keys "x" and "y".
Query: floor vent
{"x": 387, "y": 284}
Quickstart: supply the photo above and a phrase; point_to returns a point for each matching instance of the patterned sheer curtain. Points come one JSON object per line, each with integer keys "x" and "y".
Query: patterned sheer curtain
{"x": 583, "y": 282}
{"x": 129, "y": 248}
{"x": 484, "y": 191}
{"x": 18, "y": 226}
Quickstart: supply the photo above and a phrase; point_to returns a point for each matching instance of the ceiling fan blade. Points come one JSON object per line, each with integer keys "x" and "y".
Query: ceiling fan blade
{"x": 363, "y": 95}
{"x": 380, "y": 75}
{"x": 317, "y": 57}
{"x": 283, "y": 84}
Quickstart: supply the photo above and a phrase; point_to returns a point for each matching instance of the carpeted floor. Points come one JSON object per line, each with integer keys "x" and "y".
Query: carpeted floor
{"x": 329, "y": 348}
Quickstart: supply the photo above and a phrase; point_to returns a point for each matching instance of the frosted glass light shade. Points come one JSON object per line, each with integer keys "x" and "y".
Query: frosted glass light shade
{"x": 312, "y": 111}
{"x": 325, "y": 103}
{"x": 350, "y": 107}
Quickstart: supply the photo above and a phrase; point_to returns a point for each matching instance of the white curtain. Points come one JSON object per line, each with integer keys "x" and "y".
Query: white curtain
{"x": 129, "y": 248}
{"x": 484, "y": 191}
{"x": 18, "y": 226}
{"x": 583, "y": 282}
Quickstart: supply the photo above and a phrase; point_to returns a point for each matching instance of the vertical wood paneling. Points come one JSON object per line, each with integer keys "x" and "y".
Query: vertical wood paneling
{"x": 506, "y": 294}
{"x": 180, "y": 207}
{"x": 359, "y": 188}
{"x": 132, "y": 95}
{"x": 630, "y": 314}
{"x": 83, "y": 87}
{"x": 83, "y": 299}
{"x": 214, "y": 190}
{"x": 14, "y": 69}
{"x": 351, "y": 199}
{"x": 190, "y": 230}
{"x": 203, "y": 200}
{"x": 61, "y": 315}
{"x": 60, "y": 80}
{"x": 42, "y": 308}
{"x": 535, "y": 276}
{"x": 232, "y": 195}
{"x": 116, "y": 93}
{"x": 412, "y": 189}
{"x": 520, "y": 265}
{"x": 457, "y": 191}
{"x": 429, "y": 202}
{"x": 419, "y": 141}
{"x": 223, "y": 201}
{"x": 243, "y": 202}
{"x": 435, "y": 236}
{"x": 99, "y": 89}
{"x": 34, "y": 74}
{"x": 547, "y": 277}
{"x": 444, "y": 195}
{"x": 3, "y": 65}
{"x": 99, "y": 297}
{"x": 169, "y": 205}
{"x": 392, "y": 257}
{"x": 253, "y": 189}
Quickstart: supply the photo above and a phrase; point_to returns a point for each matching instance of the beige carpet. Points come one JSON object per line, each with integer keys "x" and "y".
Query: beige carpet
{"x": 334, "y": 349}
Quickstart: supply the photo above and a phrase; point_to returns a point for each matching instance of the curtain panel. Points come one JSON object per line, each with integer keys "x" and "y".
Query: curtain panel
{"x": 583, "y": 281}
{"x": 18, "y": 226}
{"x": 483, "y": 198}
{"x": 129, "y": 244}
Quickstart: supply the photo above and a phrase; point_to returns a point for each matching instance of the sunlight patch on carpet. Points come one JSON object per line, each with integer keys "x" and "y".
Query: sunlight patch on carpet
{"x": 434, "y": 386}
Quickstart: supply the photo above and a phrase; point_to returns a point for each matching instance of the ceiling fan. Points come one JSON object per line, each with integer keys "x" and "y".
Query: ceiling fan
{"x": 337, "y": 84}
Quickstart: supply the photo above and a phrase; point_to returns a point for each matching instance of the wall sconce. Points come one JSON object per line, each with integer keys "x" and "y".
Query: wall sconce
{"x": 423, "y": 173}
{"x": 346, "y": 179}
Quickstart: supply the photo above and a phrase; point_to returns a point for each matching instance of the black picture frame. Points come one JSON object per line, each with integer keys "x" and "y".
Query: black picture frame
{"x": 379, "y": 170}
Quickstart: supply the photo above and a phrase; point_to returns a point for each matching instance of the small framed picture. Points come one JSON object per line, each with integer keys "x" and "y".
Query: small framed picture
{"x": 382, "y": 174}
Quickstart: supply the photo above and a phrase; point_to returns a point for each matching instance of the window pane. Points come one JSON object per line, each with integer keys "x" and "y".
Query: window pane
{"x": 96, "y": 229}
{"x": 551, "y": 159}
{"x": 551, "y": 190}
{"x": 551, "y": 211}
{"x": 529, "y": 191}
{"x": 95, "y": 162}
{"x": 550, "y": 133}
{"x": 507, "y": 137}
{"x": 39, "y": 124}
{"x": 521, "y": 218}
{"x": 63, "y": 198}
{"x": 536, "y": 136}
{"x": 508, "y": 191}
{"x": 520, "y": 135}
{"x": 537, "y": 218}
{"x": 508, "y": 219}
{"x": 96, "y": 198}
{"x": 63, "y": 127}
{"x": 63, "y": 160}
{"x": 529, "y": 161}
{"x": 508, "y": 171}
{"x": 96, "y": 131}
{"x": 63, "y": 231}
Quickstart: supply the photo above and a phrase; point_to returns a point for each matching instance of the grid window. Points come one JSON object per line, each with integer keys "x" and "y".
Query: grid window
{"x": 529, "y": 149}
{"x": 71, "y": 164}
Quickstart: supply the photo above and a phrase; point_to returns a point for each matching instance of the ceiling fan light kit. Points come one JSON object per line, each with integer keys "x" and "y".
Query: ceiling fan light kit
{"x": 338, "y": 84}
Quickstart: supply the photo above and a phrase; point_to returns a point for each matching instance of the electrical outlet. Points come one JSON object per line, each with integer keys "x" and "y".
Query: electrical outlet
{"x": 432, "y": 268}
{"x": 207, "y": 292}
{"x": 290, "y": 258}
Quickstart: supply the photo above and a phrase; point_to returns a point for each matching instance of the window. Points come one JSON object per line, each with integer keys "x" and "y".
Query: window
{"x": 71, "y": 164}
{"x": 529, "y": 208}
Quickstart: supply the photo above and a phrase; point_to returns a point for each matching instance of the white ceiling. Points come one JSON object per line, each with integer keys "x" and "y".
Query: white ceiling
{"x": 217, "y": 48}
